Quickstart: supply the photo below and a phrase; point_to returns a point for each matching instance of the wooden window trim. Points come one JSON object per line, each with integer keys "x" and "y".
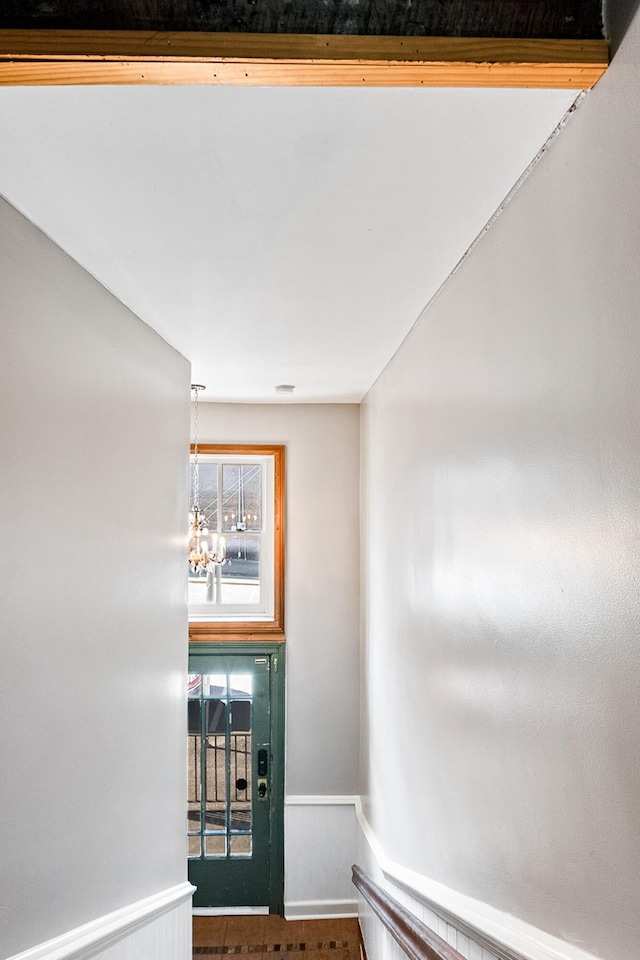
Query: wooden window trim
{"x": 240, "y": 630}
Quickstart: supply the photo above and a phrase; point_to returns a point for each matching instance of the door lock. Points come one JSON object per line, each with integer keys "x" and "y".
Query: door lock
{"x": 263, "y": 773}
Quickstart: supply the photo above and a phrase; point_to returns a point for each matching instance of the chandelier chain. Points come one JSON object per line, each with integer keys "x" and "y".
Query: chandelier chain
{"x": 196, "y": 477}
{"x": 205, "y": 556}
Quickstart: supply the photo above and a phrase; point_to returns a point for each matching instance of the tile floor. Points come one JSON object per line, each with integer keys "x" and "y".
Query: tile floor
{"x": 286, "y": 939}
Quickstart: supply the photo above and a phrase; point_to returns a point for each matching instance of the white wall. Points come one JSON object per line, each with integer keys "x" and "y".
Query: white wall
{"x": 321, "y": 579}
{"x": 379, "y": 942}
{"x": 500, "y": 552}
{"x": 321, "y": 616}
{"x": 320, "y": 849}
{"x": 94, "y": 418}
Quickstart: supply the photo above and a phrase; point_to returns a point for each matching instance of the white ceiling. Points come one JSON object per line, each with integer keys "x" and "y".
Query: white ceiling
{"x": 272, "y": 235}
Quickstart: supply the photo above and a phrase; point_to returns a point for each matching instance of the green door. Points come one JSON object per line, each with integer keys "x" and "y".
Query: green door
{"x": 234, "y": 769}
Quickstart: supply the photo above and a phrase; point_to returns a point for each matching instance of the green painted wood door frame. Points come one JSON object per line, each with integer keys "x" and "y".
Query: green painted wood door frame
{"x": 277, "y": 688}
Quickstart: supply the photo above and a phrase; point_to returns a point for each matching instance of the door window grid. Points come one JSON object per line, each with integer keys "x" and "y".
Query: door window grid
{"x": 220, "y": 737}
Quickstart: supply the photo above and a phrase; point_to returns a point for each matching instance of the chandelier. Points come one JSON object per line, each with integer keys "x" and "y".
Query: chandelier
{"x": 203, "y": 558}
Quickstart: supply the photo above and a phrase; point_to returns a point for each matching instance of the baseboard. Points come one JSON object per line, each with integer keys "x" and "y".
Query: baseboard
{"x": 90, "y": 938}
{"x": 320, "y": 909}
{"x": 229, "y": 911}
{"x": 320, "y": 800}
{"x": 501, "y": 934}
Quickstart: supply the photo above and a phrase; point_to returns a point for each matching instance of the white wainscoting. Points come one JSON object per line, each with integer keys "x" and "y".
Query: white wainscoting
{"x": 320, "y": 847}
{"x": 476, "y": 930}
{"x": 156, "y": 928}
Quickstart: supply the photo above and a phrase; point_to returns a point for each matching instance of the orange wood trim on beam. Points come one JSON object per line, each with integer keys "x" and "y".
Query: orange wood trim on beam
{"x": 47, "y": 57}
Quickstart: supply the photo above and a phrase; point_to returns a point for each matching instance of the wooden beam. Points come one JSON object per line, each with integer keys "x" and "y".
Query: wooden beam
{"x": 50, "y": 57}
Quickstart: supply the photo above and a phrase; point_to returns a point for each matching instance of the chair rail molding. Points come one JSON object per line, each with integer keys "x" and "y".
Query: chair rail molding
{"x": 91, "y": 939}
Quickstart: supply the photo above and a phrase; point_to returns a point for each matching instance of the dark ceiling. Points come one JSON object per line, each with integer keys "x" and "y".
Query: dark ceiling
{"x": 561, "y": 19}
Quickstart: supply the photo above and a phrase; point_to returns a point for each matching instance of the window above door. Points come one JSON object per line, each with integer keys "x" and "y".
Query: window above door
{"x": 242, "y": 498}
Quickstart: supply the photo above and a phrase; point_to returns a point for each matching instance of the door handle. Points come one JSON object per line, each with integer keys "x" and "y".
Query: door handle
{"x": 263, "y": 772}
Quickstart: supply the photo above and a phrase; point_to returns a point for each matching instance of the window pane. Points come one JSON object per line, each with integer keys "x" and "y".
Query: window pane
{"x": 241, "y": 572}
{"x": 208, "y": 497}
{"x": 201, "y": 587}
{"x": 241, "y": 496}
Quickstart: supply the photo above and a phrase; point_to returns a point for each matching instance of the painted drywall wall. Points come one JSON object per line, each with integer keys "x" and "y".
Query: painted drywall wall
{"x": 500, "y": 552}
{"x": 322, "y": 579}
{"x": 320, "y": 847}
{"x": 94, "y": 417}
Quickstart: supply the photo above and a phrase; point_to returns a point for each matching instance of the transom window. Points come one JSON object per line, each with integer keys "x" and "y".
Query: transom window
{"x": 240, "y": 494}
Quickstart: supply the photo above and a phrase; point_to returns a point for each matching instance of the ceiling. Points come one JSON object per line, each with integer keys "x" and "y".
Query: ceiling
{"x": 272, "y": 235}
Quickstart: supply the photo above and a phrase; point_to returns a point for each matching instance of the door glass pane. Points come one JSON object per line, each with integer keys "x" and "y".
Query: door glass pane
{"x": 216, "y": 785}
{"x": 193, "y": 771}
{"x": 241, "y": 782}
{"x": 219, "y": 765}
{"x": 214, "y": 685}
{"x": 216, "y": 723}
{"x": 241, "y": 497}
{"x": 241, "y": 573}
{"x": 241, "y": 688}
{"x": 239, "y": 846}
{"x": 215, "y": 846}
{"x": 241, "y": 684}
{"x": 241, "y": 768}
